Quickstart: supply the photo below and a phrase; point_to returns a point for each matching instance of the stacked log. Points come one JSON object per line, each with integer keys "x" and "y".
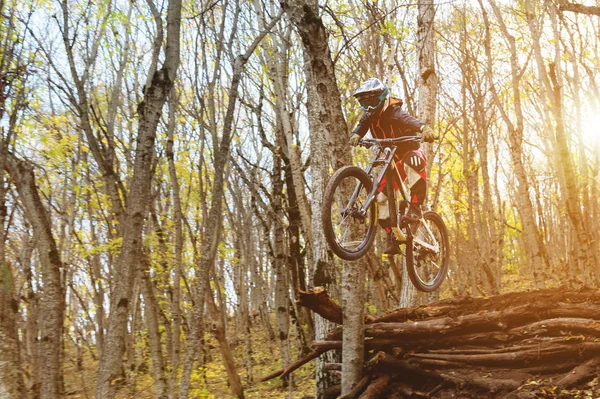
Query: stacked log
{"x": 517, "y": 345}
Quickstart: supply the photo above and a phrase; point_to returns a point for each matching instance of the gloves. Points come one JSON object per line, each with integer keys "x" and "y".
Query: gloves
{"x": 354, "y": 139}
{"x": 428, "y": 134}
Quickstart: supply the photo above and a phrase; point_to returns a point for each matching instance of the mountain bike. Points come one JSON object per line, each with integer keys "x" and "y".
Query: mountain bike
{"x": 350, "y": 218}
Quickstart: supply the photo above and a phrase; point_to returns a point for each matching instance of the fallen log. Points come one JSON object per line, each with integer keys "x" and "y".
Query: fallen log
{"x": 478, "y": 347}
{"x": 319, "y": 301}
{"x": 294, "y": 366}
{"x": 377, "y": 388}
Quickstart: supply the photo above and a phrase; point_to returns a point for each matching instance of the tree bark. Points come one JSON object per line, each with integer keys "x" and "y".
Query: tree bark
{"x": 218, "y": 326}
{"x": 11, "y": 377}
{"x": 11, "y": 374}
{"x": 585, "y": 238}
{"x": 178, "y": 260}
{"x": 280, "y": 79}
{"x": 428, "y": 80}
{"x": 53, "y": 296}
{"x": 579, "y": 8}
{"x": 151, "y": 311}
{"x": 30, "y": 339}
{"x": 281, "y": 284}
{"x": 427, "y": 84}
{"x": 14, "y": 72}
{"x": 552, "y": 91}
{"x": 328, "y": 126}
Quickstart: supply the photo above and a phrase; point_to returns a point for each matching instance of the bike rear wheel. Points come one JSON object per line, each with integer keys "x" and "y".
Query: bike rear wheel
{"x": 427, "y": 253}
{"x": 349, "y": 233}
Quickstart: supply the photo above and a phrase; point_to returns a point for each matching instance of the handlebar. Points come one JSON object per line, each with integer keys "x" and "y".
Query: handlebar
{"x": 390, "y": 142}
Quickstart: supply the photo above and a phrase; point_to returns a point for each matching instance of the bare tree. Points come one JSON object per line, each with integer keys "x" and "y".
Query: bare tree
{"x": 212, "y": 227}
{"x": 11, "y": 373}
{"x": 52, "y": 306}
{"x": 329, "y": 148}
{"x": 579, "y": 8}
{"x": 533, "y": 244}
{"x": 150, "y": 110}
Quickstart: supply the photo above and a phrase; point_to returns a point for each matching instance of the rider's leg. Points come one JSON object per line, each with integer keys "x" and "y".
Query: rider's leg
{"x": 382, "y": 202}
{"x": 382, "y": 205}
{"x": 415, "y": 175}
{"x": 384, "y": 220}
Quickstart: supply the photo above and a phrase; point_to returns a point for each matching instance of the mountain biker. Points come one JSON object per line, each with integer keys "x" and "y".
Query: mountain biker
{"x": 386, "y": 119}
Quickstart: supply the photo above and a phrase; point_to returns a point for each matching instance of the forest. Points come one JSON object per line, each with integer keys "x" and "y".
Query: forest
{"x": 163, "y": 167}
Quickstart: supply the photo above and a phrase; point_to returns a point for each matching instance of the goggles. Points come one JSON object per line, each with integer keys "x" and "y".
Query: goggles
{"x": 370, "y": 101}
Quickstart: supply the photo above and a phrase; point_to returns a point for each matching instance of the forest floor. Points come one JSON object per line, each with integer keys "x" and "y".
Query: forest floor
{"x": 209, "y": 382}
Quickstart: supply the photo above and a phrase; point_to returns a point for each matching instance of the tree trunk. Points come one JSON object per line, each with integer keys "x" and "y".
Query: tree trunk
{"x": 53, "y": 301}
{"x": 150, "y": 111}
{"x": 277, "y": 58}
{"x": 97, "y": 281}
{"x": 281, "y": 284}
{"x": 552, "y": 90}
{"x": 327, "y": 125}
{"x": 151, "y": 311}
{"x": 245, "y": 311}
{"x": 11, "y": 377}
{"x": 11, "y": 374}
{"x": 178, "y": 225}
{"x": 295, "y": 257}
{"x": 31, "y": 325}
{"x": 218, "y": 327}
{"x": 586, "y": 240}
{"x": 428, "y": 82}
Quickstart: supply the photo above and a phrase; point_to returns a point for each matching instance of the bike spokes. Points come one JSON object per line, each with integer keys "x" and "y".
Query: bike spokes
{"x": 350, "y": 220}
{"x": 427, "y": 252}
{"x": 348, "y": 223}
{"x": 429, "y": 257}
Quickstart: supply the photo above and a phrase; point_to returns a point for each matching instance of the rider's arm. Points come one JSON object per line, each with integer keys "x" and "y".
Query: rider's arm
{"x": 407, "y": 123}
{"x": 362, "y": 127}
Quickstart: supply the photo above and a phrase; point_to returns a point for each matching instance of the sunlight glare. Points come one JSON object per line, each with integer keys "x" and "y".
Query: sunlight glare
{"x": 591, "y": 129}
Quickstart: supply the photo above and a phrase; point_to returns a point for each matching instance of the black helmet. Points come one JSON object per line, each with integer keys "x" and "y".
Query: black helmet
{"x": 372, "y": 94}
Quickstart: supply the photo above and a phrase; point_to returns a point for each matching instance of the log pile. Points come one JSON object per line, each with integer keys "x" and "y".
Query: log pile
{"x": 520, "y": 345}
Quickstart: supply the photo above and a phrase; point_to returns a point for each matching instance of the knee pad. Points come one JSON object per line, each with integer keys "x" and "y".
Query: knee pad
{"x": 414, "y": 160}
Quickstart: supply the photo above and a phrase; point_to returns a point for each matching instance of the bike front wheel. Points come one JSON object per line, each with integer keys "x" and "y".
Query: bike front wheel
{"x": 349, "y": 227}
{"x": 427, "y": 253}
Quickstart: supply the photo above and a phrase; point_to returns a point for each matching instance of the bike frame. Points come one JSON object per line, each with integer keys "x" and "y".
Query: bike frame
{"x": 386, "y": 150}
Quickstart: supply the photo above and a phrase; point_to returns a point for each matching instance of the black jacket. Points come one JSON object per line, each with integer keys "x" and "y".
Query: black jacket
{"x": 393, "y": 122}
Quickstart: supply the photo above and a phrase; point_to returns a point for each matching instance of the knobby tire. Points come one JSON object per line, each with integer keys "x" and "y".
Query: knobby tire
{"x": 411, "y": 253}
{"x": 331, "y": 192}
